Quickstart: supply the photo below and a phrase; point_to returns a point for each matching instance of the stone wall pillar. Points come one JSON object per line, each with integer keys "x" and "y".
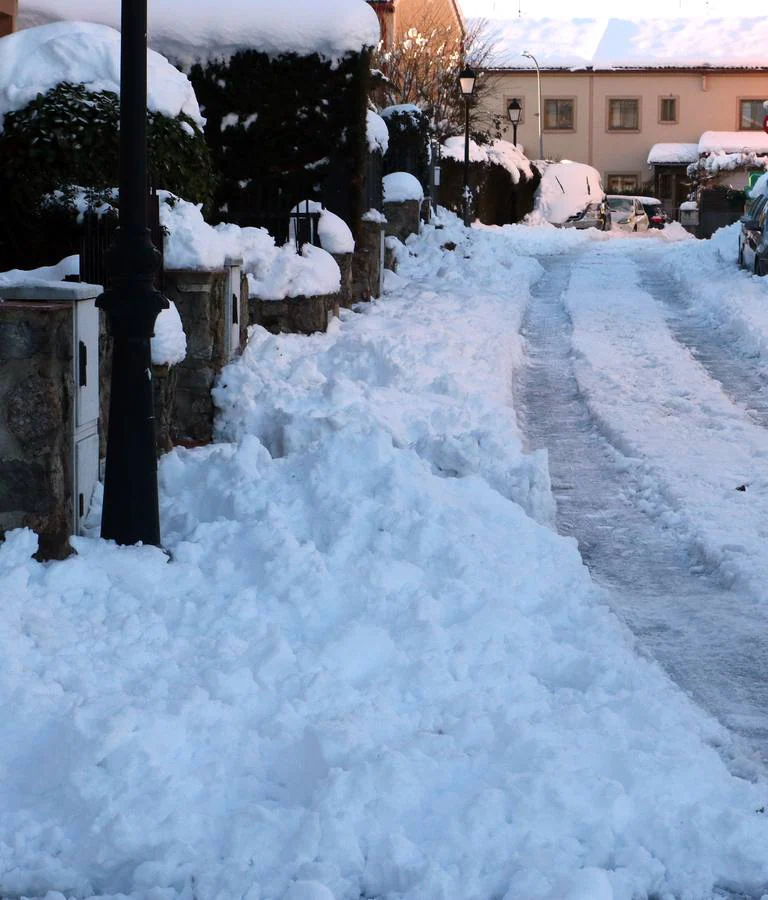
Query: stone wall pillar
{"x": 403, "y": 218}
{"x": 368, "y": 261}
{"x": 199, "y": 298}
{"x": 344, "y": 262}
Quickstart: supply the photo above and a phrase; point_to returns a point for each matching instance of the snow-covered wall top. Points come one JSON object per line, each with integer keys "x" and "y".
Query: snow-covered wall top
{"x": 733, "y": 142}
{"x": 199, "y": 29}
{"x": 638, "y": 43}
{"x": 35, "y": 60}
{"x": 669, "y": 154}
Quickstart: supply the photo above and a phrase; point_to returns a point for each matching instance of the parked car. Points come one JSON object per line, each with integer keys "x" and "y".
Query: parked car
{"x": 753, "y": 240}
{"x": 571, "y": 195}
{"x": 626, "y": 213}
{"x": 657, "y": 215}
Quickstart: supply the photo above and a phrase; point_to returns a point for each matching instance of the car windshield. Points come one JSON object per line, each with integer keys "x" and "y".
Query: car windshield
{"x": 620, "y": 204}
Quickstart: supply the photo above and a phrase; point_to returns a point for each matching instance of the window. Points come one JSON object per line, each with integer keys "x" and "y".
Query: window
{"x": 668, "y": 110}
{"x": 623, "y": 114}
{"x": 558, "y": 114}
{"x": 751, "y": 115}
{"x": 622, "y": 184}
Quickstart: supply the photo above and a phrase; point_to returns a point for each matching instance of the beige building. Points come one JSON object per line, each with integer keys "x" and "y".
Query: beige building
{"x": 608, "y": 112}
{"x": 398, "y": 16}
{"x": 9, "y": 10}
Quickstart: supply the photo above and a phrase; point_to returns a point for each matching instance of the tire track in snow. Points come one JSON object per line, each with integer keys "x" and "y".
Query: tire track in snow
{"x": 743, "y": 378}
{"x": 707, "y": 637}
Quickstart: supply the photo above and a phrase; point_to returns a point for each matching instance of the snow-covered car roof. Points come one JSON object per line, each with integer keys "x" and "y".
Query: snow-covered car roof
{"x": 566, "y": 189}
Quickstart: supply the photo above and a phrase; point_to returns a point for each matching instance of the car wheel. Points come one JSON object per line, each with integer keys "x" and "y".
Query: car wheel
{"x": 740, "y": 257}
{"x": 635, "y": 228}
{"x": 758, "y": 266}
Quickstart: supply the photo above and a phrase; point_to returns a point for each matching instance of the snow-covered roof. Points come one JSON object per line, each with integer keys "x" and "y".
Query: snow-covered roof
{"x": 35, "y": 60}
{"x": 669, "y": 154}
{"x": 733, "y": 142}
{"x": 195, "y": 29}
{"x": 607, "y": 43}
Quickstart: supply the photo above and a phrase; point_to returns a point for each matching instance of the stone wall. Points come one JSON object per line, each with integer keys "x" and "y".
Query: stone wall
{"x": 403, "y": 218}
{"x": 295, "y": 315}
{"x": 37, "y": 422}
{"x": 368, "y": 261}
{"x": 200, "y": 297}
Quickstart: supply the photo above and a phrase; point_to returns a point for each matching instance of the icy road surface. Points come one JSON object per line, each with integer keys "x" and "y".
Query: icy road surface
{"x": 656, "y": 420}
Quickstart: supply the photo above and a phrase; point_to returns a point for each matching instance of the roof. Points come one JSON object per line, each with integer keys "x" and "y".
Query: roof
{"x": 609, "y": 44}
{"x": 709, "y": 142}
{"x": 673, "y": 154}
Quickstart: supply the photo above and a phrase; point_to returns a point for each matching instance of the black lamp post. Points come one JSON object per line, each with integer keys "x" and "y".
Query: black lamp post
{"x": 130, "y": 512}
{"x": 467, "y": 85}
{"x": 514, "y": 111}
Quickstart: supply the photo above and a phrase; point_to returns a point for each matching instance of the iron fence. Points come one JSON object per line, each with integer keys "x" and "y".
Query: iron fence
{"x": 97, "y": 236}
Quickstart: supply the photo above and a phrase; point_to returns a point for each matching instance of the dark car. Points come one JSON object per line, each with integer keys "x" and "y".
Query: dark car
{"x": 657, "y": 216}
{"x": 753, "y": 240}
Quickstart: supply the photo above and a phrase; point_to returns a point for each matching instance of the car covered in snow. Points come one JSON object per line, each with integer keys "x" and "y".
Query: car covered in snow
{"x": 571, "y": 195}
{"x": 657, "y": 215}
{"x": 626, "y": 213}
{"x": 753, "y": 241}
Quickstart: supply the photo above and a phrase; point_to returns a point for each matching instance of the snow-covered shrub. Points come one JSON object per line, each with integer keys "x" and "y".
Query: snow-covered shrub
{"x": 67, "y": 139}
{"x": 408, "y": 141}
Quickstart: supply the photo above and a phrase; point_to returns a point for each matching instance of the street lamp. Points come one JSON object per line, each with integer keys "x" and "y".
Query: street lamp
{"x": 514, "y": 111}
{"x": 467, "y": 85}
{"x": 538, "y": 90}
{"x": 130, "y": 512}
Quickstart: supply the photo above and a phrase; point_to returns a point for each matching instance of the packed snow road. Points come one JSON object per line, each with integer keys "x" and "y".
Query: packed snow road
{"x": 655, "y": 417}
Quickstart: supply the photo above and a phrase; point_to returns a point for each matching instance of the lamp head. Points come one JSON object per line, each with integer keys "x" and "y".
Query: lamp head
{"x": 467, "y": 81}
{"x": 514, "y": 110}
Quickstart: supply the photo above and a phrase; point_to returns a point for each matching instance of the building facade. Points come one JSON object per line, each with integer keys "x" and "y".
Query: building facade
{"x": 9, "y": 10}
{"x": 612, "y": 119}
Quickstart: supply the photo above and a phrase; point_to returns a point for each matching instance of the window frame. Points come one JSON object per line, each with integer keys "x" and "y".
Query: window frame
{"x": 622, "y": 99}
{"x": 558, "y": 99}
{"x": 676, "y": 100}
{"x": 759, "y": 126}
{"x": 623, "y": 190}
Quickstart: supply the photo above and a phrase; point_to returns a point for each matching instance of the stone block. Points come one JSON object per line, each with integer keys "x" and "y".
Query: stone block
{"x": 368, "y": 261}
{"x": 295, "y": 315}
{"x": 403, "y": 218}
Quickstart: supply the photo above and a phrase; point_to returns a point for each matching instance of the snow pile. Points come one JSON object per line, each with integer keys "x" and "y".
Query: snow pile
{"x": 334, "y": 233}
{"x": 274, "y": 273}
{"x": 612, "y": 43}
{"x": 36, "y": 60}
{"x": 671, "y": 154}
{"x": 169, "y": 342}
{"x": 401, "y": 186}
{"x": 58, "y": 272}
{"x": 498, "y": 152}
{"x": 194, "y": 29}
{"x": 566, "y": 188}
{"x": 377, "y": 132}
{"x": 716, "y": 162}
{"x": 366, "y": 668}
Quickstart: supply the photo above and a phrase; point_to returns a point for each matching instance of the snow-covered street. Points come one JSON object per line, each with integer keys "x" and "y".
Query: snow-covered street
{"x": 371, "y": 667}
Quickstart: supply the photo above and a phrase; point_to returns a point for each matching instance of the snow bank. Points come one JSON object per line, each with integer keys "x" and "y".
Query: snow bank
{"x": 400, "y": 186}
{"x": 35, "y": 60}
{"x": 369, "y": 668}
{"x": 274, "y": 273}
{"x": 194, "y": 29}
